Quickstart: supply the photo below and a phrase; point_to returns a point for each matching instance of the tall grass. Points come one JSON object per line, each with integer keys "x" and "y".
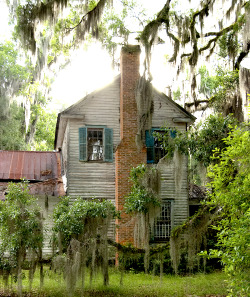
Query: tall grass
{"x": 133, "y": 285}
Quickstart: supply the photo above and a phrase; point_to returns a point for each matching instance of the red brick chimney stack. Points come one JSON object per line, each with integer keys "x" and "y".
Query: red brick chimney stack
{"x": 127, "y": 154}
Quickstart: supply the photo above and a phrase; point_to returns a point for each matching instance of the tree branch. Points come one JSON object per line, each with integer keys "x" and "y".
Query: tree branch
{"x": 213, "y": 40}
{"x": 96, "y": 10}
{"x": 241, "y": 56}
{"x": 130, "y": 249}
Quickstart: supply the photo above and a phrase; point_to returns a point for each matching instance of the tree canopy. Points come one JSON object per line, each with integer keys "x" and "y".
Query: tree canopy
{"x": 194, "y": 31}
{"x": 23, "y": 115}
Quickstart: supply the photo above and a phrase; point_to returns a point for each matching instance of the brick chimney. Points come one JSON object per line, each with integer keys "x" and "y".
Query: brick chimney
{"x": 127, "y": 154}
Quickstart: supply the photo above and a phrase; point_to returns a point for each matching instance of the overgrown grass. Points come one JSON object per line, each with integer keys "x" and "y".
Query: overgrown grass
{"x": 133, "y": 285}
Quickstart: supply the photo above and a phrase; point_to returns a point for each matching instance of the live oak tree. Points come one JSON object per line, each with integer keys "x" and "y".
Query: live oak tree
{"x": 187, "y": 31}
{"x": 24, "y": 123}
{"x": 13, "y": 77}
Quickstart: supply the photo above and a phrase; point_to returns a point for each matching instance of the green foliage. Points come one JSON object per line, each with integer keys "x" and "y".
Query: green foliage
{"x": 12, "y": 128}
{"x": 17, "y": 130}
{"x": 177, "y": 94}
{"x": 135, "y": 284}
{"x": 45, "y": 131}
{"x": 20, "y": 220}
{"x": 81, "y": 230}
{"x": 207, "y": 83}
{"x": 10, "y": 70}
{"x": 57, "y": 43}
{"x": 229, "y": 45}
{"x": 201, "y": 140}
{"x": 71, "y": 219}
{"x": 231, "y": 191}
{"x": 13, "y": 76}
{"x": 142, "y": 196}
{"x": 219, "y": 88}
{"x": 21, "y": 231}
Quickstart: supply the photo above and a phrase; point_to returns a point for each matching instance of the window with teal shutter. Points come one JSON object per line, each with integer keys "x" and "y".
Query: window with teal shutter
{"x": 155, "y": 149}
{"x": 108, "y": 145}
{"x": 149, "y": 138}
{"x": 96, "y": 144}
{"x": 83, "y": 144}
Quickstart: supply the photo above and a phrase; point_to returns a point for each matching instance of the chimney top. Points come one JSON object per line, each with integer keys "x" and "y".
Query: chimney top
{"x": 131, "y": 48}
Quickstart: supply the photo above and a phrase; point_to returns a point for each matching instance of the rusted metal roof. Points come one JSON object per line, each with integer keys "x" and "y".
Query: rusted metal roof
{"x": 33, "y": 166}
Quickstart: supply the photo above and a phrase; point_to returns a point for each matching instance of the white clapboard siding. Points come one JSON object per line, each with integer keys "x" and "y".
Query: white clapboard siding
{"x": 47, "y": 205}
{"x": 165, "y": 111}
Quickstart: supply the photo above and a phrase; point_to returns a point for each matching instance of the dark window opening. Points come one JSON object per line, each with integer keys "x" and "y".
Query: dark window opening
{"x": 193, "y": 209}
{"x": 155, "y": 147}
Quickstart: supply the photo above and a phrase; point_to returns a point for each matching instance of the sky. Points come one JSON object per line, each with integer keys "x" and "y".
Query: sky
{"x": 4, "y": 32}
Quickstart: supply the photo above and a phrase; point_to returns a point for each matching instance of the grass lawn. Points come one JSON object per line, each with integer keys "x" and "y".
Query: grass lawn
{"x": 133, "y": 285}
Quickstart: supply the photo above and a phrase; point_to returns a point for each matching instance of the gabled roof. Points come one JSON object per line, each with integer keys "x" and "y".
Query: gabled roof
{"x": 181, "y": 109}
{"x": 33, "y": 166}
{"x": 70, "y": 112}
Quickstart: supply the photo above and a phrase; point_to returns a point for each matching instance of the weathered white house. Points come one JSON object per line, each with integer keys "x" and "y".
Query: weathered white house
{"x": 97, "y": 139}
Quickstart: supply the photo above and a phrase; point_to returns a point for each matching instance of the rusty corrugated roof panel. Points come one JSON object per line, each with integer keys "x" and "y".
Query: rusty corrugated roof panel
{"x": 34, "y": 166}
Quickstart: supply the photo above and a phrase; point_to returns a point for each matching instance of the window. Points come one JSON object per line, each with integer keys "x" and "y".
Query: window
{"x": 95, "y": 144}
{"x": 155, "y": 149}
{"x": 162, "y": 224}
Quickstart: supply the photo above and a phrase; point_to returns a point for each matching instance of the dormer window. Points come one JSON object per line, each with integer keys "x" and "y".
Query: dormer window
{"x": 96, "y": 144}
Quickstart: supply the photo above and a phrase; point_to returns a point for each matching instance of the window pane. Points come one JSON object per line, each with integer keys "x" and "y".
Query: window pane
{"x": 100, "y": 135}
{"x": 95, "y": 145}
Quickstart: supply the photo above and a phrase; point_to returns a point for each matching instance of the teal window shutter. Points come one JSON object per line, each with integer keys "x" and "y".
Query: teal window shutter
{"x": 108, "y": 145}
{"x": 83, "y": 144}
{"x": 173, "y": 133}
{"x": 149, "y": 139}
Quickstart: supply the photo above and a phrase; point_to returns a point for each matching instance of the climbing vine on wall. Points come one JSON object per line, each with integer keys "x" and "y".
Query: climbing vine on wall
{"x": 144, "y": 203}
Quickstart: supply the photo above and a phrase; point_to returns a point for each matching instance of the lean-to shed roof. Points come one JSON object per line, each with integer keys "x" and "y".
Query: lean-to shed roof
{"x": 33, "y": 166}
